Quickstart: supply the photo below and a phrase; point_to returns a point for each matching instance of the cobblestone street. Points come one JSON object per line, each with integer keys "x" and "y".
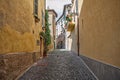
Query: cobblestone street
{"x": 59, "y": 65}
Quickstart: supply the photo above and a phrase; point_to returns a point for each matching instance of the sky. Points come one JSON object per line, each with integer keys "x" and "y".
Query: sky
{"x": 57, "y": 5}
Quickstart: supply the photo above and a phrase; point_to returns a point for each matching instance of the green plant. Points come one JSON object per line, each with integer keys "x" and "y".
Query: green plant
{"x": 69, "y": 18}
{"x": 43, "y": 35}
{"x": 46, "y": 35}
{"x": 47, "y": 30}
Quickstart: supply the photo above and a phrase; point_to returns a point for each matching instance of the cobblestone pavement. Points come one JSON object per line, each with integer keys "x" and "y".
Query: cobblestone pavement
{"x": 59, "y": 65}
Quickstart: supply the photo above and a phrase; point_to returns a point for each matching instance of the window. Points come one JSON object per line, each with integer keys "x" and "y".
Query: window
{"x": 77, "y": 7}
{"x": 36, "y": 7}
{"x": 43, "y": 17}
{"x": 33, "y": 31}
{"x": 36, "y": 11}
{"x": 38, "y": 42}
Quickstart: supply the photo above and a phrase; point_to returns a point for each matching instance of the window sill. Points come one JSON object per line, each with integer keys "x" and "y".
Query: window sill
{"x": 43, "y": 28}
{"x": 37, "y": 19}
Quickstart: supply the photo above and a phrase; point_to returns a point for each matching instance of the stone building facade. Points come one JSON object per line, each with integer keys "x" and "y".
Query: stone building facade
{"x": 73, "y": 38}
{"x": 61, "y": 29}
{"x": 60, "y": 41}
{"x": 52, "y": 21}
{"x": 21, "y": 21}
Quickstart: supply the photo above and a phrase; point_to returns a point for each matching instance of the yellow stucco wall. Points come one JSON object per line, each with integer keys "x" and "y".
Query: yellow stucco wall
{"x": 100, "y": 30}
{"x": 17, "y": 42}
{"x": 17, "y": 25}
{"x": 38, "y": 26}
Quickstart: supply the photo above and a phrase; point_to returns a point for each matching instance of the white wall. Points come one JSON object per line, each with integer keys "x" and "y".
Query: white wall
{"x": 51, "y": 24}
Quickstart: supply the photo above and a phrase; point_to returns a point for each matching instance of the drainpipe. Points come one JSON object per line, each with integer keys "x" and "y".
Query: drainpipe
{"x": 77, "y": 26}
{"x": 78, "y": 34}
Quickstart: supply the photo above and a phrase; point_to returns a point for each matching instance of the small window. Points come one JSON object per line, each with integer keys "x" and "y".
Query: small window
{"x": 36, "y": 7}
{"x": 36, "y": 11}
{"x": 43, "y": 17}
{"x": 33, "y": 31}
{"x": 38, "y": 42}
{"x": 77, "y": 7}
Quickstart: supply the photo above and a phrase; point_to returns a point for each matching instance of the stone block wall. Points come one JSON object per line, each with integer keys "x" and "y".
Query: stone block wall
{"x": 12, "y": 65}
{"x": 101, "y": 70}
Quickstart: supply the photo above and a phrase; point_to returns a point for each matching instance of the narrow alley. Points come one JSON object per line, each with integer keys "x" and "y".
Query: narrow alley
{"x": 59, "y": 39}
{"x": 59, "y": 65}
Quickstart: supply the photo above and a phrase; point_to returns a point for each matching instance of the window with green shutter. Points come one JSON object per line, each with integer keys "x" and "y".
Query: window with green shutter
{"x": 36, "y": 7}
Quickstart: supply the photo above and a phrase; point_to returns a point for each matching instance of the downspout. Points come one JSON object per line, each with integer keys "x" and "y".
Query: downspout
{"x": 78, "y": 34}
{"x": 77, "y": 26}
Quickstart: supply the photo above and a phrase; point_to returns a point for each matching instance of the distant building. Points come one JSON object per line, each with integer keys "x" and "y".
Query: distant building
{"x": 52, "y": 19}
{"x": 60, "y": 41}
{"x": 61, "y": 33}
{"x": 72, "y": 26}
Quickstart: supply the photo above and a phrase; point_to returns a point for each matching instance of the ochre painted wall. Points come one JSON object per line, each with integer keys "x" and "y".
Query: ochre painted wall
{"x": 100, "y": 30}
{"x": 17, "y": 25}
{"x": 13, "y": 41}
{"x": 37, "y": 28}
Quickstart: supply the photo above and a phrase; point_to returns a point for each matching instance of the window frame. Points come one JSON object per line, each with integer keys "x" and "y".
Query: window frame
{"x": 35, "y": 7}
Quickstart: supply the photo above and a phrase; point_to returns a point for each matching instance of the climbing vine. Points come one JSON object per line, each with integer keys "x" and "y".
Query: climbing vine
{"x": 46, "y": 35}
{"x": 47, "y": 30}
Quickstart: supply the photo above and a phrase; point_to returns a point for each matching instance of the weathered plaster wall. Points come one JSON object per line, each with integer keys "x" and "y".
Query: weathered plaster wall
{"x": 74, "y": 37}
{"x": 17, "y": 14}
{"x": 100, "y": 30}
{"x": 13, "y": 41}
{"x": 16, "y": 21}
{"x": 37, "y": 28}
{"x": 18, "y": 30}
{"x": 18, "y": 36}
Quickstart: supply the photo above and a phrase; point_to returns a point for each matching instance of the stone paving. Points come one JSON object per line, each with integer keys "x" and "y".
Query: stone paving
{"x": 59, "y": 65}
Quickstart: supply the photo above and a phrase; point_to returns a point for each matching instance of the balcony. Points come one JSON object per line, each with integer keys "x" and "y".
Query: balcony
{"x": 71, "y": 26}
